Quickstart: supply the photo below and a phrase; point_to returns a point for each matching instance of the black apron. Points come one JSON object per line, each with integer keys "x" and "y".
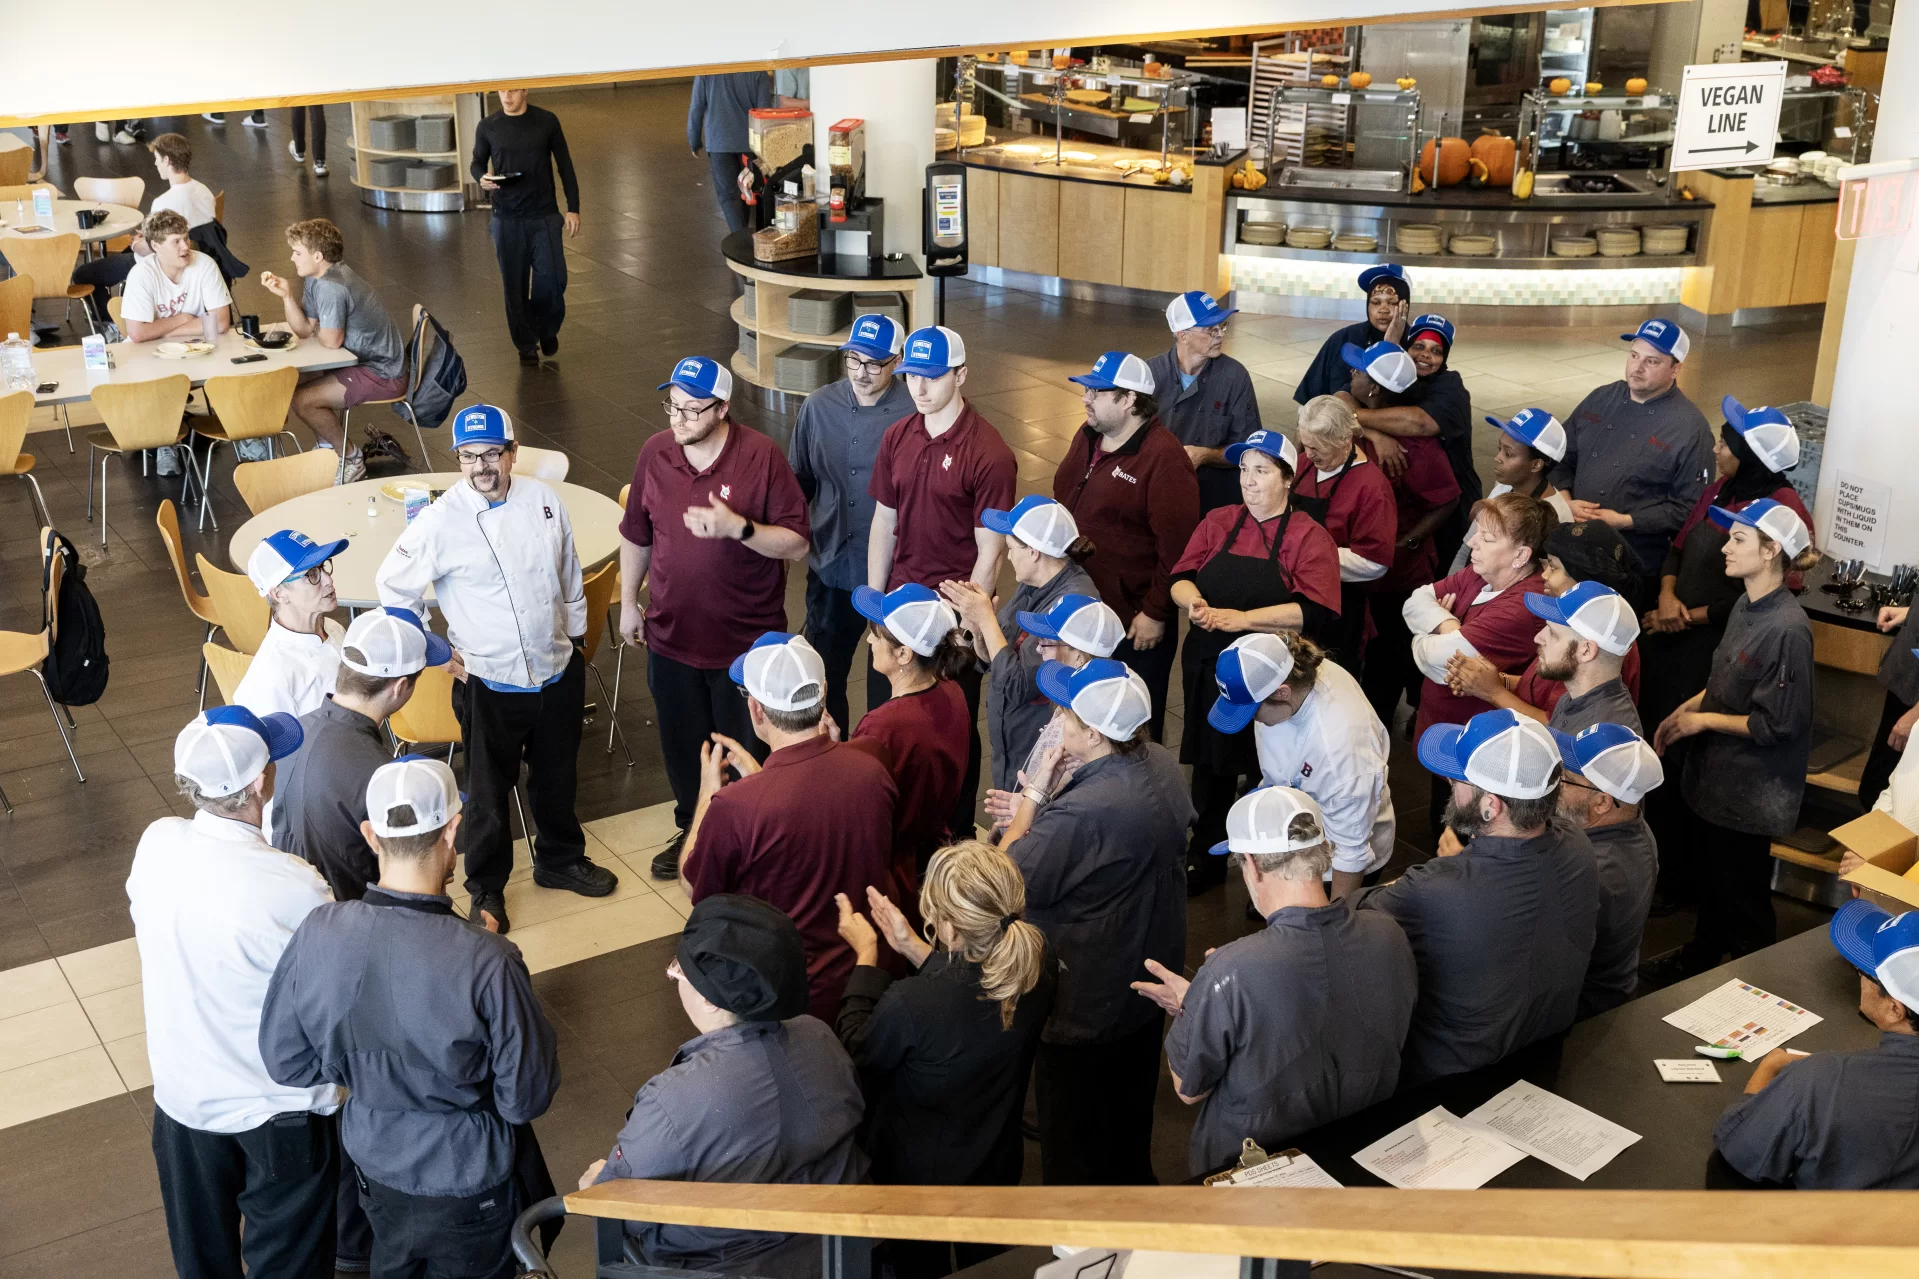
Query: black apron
{"x": 1242, "y": 582}
{"x": 1352, "y": 595}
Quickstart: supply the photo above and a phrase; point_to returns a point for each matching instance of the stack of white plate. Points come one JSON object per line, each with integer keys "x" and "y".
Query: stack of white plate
{"x": 1355, "y": 243}
{"x": 1419, "y": 237}
{"x": 1618, "y": 241}
{"x": 1663, "y": 241}
{"x": 1309, "y": 237}
{"x": 945, "y": 139}
{"x": 1574, "y": 246}
{"x": 1262, "y": 233}
{"x": 972, "y": 130}
{"x": 1473, "y": 246}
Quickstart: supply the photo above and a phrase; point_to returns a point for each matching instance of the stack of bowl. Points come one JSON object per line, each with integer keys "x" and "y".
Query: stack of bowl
{"x": 1618, "y": 241}
{"x": 1262, "y": 233}
{"x": 1309, "y": 237}
{"x": 1574, "y": 246}
{"x": 1473, "y": 246}
{"x": 1663, "y": 241}
{"x": 1419, "y": 237}
{"x": 1354, "y": 242}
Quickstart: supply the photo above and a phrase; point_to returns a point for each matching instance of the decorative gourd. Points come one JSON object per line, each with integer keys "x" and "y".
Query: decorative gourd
{"x": 1455, "y": 161}
{"x": 1329, "y": 82}
{"x": 1419, "y": 183}
{"x": 1496, "y": 153}
{"x": 1635, "y": 87}
{"x": 1475, "y": 172}
{"x": 1359, "y": 79}
{"x": 1559, "y": 86}
{"x": 1405, "y": 82}
{"x": 1594, "y": 88}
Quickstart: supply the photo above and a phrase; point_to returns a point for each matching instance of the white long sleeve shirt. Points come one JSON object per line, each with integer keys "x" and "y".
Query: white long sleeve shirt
{"x": 292, "y": 672}
{"x": 1335, "y": 749}
{"x": 214, "y": 905}
{"x": 507, "y": 577}
{"x": 1431, "y": 650}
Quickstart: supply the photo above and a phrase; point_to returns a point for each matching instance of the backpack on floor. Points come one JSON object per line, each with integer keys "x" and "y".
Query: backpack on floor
{"x": 442, "y": 377}
{"x": 76, "y": 665}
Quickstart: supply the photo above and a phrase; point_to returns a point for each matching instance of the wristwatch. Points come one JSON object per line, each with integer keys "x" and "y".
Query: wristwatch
{"x": 747, "y": 531}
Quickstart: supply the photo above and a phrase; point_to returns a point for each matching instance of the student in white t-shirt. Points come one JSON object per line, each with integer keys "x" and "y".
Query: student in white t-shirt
{"x": 172, "y": 289}
{"x": 184, "y": 195}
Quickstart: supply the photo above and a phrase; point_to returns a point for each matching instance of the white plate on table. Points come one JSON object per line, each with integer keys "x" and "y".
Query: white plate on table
{"x": 183, "y": 350}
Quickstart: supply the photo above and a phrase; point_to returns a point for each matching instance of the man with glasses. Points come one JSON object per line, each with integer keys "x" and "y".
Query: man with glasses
{"x": 498, "y": 555}
{"x": 294, "y": 669}
{"x": 835, "y": 443}
{"x": 712, "y": 518}
{"x": 1205, "y": 396}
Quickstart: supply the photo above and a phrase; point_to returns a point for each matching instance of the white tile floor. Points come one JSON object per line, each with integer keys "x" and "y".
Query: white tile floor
{"x": 73, "y": 1029}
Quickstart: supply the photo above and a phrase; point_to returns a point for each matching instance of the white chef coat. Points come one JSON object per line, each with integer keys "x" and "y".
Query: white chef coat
{"x": 1335, "y": 749}
{"x": 507, "y": 577}
{"x": 291, "y": 672}
{"x": 213, "y": 908}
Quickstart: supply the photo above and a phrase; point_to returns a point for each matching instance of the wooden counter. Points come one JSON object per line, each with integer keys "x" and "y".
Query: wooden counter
{"x": 1761, "y": 256}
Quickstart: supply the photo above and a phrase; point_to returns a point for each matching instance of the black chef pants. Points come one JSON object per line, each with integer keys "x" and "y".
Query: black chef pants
{"x": 964, "y": 818}
{"x": 1096, "y": 1110}
{"x": 1735, "y": 895}
{"x": 279, "y": 1179}
{"x": 1155, "y": 666}
{"x": 835, "y": 631}
{"x": 691, "y": 704}
{"x": 1389, "y": 672}
{"x": 533, "y": 271}
{"x": 1882, "y": 758}
{"x": 440, "y": 1237}
{"x": 353, "y": 1240}
{"x": 501, "y": 730}
{"x": 1214, "y": 794}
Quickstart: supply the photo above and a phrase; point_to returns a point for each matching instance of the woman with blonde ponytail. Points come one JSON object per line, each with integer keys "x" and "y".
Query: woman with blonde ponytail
{"x": 944, "y": 1053}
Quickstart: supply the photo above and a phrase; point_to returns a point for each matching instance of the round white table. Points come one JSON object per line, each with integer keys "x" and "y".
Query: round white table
{"x": 341, "y": 511}
{"x": 121, "y": 219}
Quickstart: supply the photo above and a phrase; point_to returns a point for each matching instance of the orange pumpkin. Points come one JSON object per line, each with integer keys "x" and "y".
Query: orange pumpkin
{"x": 1455, "y": 161}
{"x": 1559, "y": 86}
{"x": 1496, "y": 153}
{"x": 1359, "y": 79}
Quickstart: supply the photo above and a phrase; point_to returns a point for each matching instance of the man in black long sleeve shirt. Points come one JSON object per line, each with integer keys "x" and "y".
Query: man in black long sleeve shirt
{"x": 522, "y": 144}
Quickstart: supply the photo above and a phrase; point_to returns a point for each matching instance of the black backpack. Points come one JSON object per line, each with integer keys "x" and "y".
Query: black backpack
{"x": 76, "y": 665}
{"x": 442, "y": 377}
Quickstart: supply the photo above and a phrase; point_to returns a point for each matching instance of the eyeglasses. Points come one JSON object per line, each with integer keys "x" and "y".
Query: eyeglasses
{"x": 1211, "y": 330}
{"x": 859, "y": 364}
{"x": 488, "y": 458}
{"x": 674, "y": 413}
{"x": 314, "y": 574}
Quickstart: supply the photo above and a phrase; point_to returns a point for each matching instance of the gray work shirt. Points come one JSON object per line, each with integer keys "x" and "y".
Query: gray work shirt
{"x": 1899, "y": 669}
{"x": 431, "y": 1024}
{"x": 340, "y": 299}
{"x": 1218, "y": 409}
{"x": 835, "y": 442}
{"x": 1650, "y": 461}
{"x": 1762, "y": 670}
{"x": 319, "y": 797}
{"x": 1834, "y": 1121}
{"x": 1105, "y": 869}
{"x": 1628, "y": 860}
{"x": 1016, "y": 710}
{"x": 1503, "y": 933}
{"x": 1609, "y": 703}
{"x": 1292, "y": 1027}
{"x": 763, "y": 1102}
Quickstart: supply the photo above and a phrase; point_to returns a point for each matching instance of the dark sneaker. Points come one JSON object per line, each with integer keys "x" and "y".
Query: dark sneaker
{"x": 493, "y": 904}
{"x": 530, "y": 357}
{"x": 666, "y": 863}
{"x": 550, "y": 346}
{"x": 581, "y": 877}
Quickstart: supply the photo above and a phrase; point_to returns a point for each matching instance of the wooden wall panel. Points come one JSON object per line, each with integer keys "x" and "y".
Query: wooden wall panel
{"x": 982, "y": 217}
{"x": 1713, "y": 286}
{"x": 1771, "y": 250}
{"x": 1092, "y": 232}
{"x": 1029, "y": 224}
{"x": 1161, "y": 232}
{"x": 1812, "y": 273}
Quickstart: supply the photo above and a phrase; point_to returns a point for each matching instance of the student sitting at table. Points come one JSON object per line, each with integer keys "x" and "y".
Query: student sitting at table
{"x": 173, "y": 290}
{"x": 185, "y": 195}
{"x": 1842, "y": 1121}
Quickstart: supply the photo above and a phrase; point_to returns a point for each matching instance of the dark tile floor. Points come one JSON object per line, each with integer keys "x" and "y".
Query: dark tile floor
{"x": 646, "y": 288}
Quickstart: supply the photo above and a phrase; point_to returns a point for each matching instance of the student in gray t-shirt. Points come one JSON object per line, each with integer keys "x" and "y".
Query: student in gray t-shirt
{"x": 339, "y": 310}
{"x": 1609, "y": 770}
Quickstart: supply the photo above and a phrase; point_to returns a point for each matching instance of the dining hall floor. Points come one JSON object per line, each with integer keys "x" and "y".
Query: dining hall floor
{"x": 646, "y": 287}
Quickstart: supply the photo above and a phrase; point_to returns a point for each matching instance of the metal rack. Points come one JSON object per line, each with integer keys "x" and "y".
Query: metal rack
{"x": 1547, "y": 121}
{"x": 1283, "y": 63}
{"x": 1372, "y": 133}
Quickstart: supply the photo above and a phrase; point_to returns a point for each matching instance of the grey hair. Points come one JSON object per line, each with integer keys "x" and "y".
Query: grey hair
{"x": 221, "y": 806}
{"x": 1329, "y": 419}
{"x": 1301, "y": 865}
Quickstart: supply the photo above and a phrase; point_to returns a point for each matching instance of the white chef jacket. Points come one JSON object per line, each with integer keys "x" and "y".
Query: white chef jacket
{"x": 1335, "y": 749}
{"x": 291, "y": 672}
{"x": 213, "y": 907}
{"x": 507, "y": 577}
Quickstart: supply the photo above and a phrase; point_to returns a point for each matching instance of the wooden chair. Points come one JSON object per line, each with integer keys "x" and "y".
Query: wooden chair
{"x": 198, "y": 603}
{"x": 114, "y": 304}
{"x": 269, "y": 483}
{"x": 20, "y": 651}
{"x": 139, "y": 416}
{"x": 220, "y": 206}
{"x": 16, "y": 305}
{"x": 17, "y": 191}
{"x": 427, "y": 719}
{"x": 16, "y": 165}
{"x": 127, "y": 191}
{"x": 15, "y": 409}
{"x": 49, "y": 260}
{"x": 541, "y": 464}
{"x": 241, "y": 611}
{"x": 246, "y": 406}
{"x": 415, "y": 358}
{"x": 619, "y": 644}
{"x": 602, "y": 588}
{"x": 228, "y": 668}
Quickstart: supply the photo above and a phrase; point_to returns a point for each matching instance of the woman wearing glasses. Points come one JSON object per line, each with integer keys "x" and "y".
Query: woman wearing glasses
{"x": 294, "y": 668}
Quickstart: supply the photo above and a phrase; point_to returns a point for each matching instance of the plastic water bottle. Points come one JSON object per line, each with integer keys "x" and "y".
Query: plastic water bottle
{"x": 16, "y": 363}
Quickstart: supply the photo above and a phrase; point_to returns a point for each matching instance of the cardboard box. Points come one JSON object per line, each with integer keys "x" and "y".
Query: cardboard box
{"x": 1890, "y": 851}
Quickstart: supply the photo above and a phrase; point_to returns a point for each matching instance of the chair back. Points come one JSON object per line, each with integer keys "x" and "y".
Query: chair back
{"x": 24, "y": 191}
{"x": 427, "y": 719}
{"x": 228, "y": 668}
{"x": 220, "y": 206}
{"x": 541, "y": 464}
{"x": 48, "y": 259}
{"x": 15, "y": 409}
{"x": 601, "y": 586}
{"x": 624, "y": 490}
{"x": 250, "y": 405}
{"x": 15, "y": 164}
{"x": 416, "y": 350}
{"x": 144, "y": 415}
{"x": 16, "y": 305}
{"x": 168, "y": 518}
{"x": 56, "y": 574}
{"x": 127, "y": 191}
{"x": 267, "y": 484}
{"x": 243, "y": 612}
{"x": 114, "y": 304}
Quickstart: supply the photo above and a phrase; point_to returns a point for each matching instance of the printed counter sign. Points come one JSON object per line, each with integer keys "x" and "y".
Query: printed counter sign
{"x": 1859, "y": 513}
{"x": 1728, "y": 114}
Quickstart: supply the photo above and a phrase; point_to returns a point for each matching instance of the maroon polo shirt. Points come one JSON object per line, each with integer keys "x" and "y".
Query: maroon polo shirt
{"x": 938, "y": 487}
{"x": 816, "y": 820}
{"x": 1139, "y": 504}
{"x": 708, "y": 599}
{"x": 1502, "y": 630}
{"x": 1361, "y": 514}
{"x": 925, "y": 735}
{"x": 1424, "y": 486}
{"x": 1309, "y": 557}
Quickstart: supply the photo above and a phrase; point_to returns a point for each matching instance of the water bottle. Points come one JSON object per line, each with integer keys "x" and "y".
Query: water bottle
{"x": 209, "y": 327}
{"x": 16, "y": 363}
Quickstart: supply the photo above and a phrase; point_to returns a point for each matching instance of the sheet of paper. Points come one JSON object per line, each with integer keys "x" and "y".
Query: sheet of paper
{"x": 1436, "y": 1152}
{"x": 1687, "y": 1070}
{"x": 1552, "y": 1129}
{"x": 1740, "y": 1015}
{"x": 1288, "y": 1168}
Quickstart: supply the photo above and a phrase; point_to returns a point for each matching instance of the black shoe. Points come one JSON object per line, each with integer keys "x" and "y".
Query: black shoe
{"x": 1204, "y": 876}
{"x": 581, "y": 877}
{"x": 550, "y": 346}
{"x": 529, "y": 358}
{"x": 1667, "y": 970}
{"x": 352, "y": 1265}
{"x": 666, "y": 862}
{"x": 493, "y": 904}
